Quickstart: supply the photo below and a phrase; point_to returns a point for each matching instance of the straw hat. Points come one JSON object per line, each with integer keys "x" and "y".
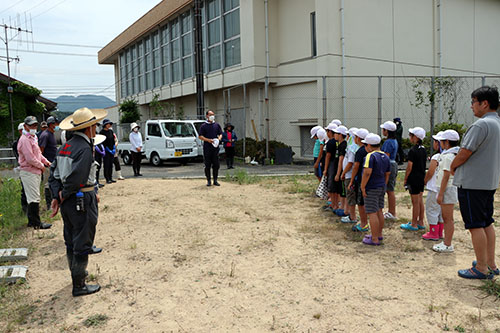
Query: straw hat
{"x": 98, "y": 139}
{"x": 82, "y": 118}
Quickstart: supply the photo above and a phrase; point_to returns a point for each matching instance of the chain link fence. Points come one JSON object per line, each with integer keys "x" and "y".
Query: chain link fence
{"x": 297, "y": 103}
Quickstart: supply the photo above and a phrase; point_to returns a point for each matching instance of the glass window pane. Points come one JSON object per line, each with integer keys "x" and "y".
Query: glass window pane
{"x": 157, "y": 77}
{"x": 156, "y": 58}
{"x": 165, "y": 55}
{"x": 122, "y": 59}
{"x": 187, "y": 66}
{"x": 176, "y": 71}
{"x": 149, "y": 81}
{"x": 156, "y": 40}
{"x": 129, "y": 87}
{"x": 186, "y": 45}
{"x": 147, "y": 63}
{"x": 148, "y": 45}
{"x": 232, "y": 52}
{"x": 230, "y": 4}
{"x": 214, "y": 32}
{"x": 164, "y": 35}
{"x": 141, "y": 83}
{"x": 213, "y": 9}
{"x": 232, "y": 24}
{"x": 214, "y": 59}
{"x": 136, "y": 85}
{"x": 175, "y": 29}
{"x": 176, "y": 52}
{"x": 166, "y": 74}
{"x": 123, "y": 89}
{"x": 203, "y": 34}
{"x": 186, "y": 22}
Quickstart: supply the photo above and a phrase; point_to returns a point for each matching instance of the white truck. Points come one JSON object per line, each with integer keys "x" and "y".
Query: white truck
{"x": 164, "y": 140}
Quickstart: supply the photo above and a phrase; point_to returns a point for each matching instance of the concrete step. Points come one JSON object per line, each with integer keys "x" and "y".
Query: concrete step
{"x": 13, "y": 254}
{"x": 10, "y": 274}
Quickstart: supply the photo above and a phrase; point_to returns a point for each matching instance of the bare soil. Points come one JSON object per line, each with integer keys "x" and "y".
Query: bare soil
{"x": 181, "y": 257}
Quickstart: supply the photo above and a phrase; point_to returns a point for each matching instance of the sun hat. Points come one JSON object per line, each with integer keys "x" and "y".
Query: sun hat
{"x": 437, "y": 136}
{"x": 352, "y": 131}
{"x": 336, "y": 122}
{"x": 30, "y": 120}
{"x": 98, "y": 139}
{"x": 82, "y": 118}
{"x": 372, "y": 139}
{"x": 419, "y": 132}
{"x": 315, "y": 130}
{"x": 134, "y": 125}
{"x": 20, "y": 126}
{"x": 331, "y": 127}
{"x": 106, "y": 121}
{"x": 321, "y": 134}
{"x": 389, "y": 125}
{"x": 229, "y": 125}
{"x": 341, "y": 130}
{"x": 449, "y": 134}
{"x": 361, "y": 133}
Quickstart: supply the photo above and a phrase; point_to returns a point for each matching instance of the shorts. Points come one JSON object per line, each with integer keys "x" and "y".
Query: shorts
{"x": 476, "y": 207}
{"x": 360, "y": 200}
{"x": 433, "y": 209}
{"x": 350, "y": 193}
{"x": 391, "y": 184}
{"x": 334, "y": 186}
{"x": 415, "y": 186}
{"x": 450, "y": 196}
{"x": 374, "y": 200}
{"x": 319, "y": 171}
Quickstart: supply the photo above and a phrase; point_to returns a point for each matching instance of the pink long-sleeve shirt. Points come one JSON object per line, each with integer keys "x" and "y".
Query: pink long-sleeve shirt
{"x": 30, "y": 156}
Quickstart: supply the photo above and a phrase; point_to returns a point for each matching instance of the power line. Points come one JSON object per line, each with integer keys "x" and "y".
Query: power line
{"x": 37, "y": 5}
{"x": 56, "y": 53}
{"x": 70, "y": 45}
{"x": 6, "y": 9}
{"x": 57, "y": 4}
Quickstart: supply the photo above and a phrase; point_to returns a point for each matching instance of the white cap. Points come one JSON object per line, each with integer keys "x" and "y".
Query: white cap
{"x": 133, "y": 125}
{"x": 20, "y": 126}
{"x": 449, "y": 134}
{"x": 336, "y": 122}
{"x": 341, "y": 130}
{"x": 372, "y": 139}
{"x": 331, "y": 127}
{"x": 361, "y": 133}
{"x": 389, "y": 125}
{"x": 437, "y": 136}
{"x": 352, "y": 131}
{"x": 314, "y": 130}
{"x": 321, "y": 134}
{"x": 419, "y": 132}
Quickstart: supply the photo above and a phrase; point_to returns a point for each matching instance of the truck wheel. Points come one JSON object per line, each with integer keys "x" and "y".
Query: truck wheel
{"x": 126, "y": 159}
{"x": 155, "y": 159}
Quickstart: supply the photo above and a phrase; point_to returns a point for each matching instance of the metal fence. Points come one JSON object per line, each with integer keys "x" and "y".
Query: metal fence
{"x": 296, "y": 103}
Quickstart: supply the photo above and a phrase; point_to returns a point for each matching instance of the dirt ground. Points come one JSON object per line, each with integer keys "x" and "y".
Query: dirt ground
{"x": 181, "y": 257}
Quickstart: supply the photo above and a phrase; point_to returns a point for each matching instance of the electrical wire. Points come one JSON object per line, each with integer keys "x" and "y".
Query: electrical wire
{"x": 55, "y": 53}
{"x": 70, "y": 45}
{"x": 49, "y": 9}
{"x": 6, "y": 9}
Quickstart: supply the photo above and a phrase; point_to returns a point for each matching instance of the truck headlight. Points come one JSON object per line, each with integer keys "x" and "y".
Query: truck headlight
{"x": 194, "y": 143}
{"x": 169, "y": 144}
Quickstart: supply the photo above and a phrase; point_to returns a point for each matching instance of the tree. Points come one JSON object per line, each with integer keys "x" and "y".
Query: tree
{"x": 130, "y": 111}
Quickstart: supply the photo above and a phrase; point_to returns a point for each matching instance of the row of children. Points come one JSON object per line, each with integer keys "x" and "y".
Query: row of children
{"x": 358, "y": 171}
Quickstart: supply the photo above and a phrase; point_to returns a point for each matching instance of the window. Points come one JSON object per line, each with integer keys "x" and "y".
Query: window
{"x": 178, "y": 129}
{"x": 232, "y": 49}
{"x": 154, "y": 130}
{"x": 187, "y": 45}
{"x": 176, "y": 50}
{"x": 141, "y": 65}
{"x": 157, "y": 72}
{"x": 314, "y": 51}
{"x": 165, "y": 53}
{"x": 232, "y": 52}
{"x": 123, "y": 76}
{"x": 148, "y": 64}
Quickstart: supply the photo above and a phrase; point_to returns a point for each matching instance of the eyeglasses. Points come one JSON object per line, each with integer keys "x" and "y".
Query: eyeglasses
{"x": 473, "y": 101}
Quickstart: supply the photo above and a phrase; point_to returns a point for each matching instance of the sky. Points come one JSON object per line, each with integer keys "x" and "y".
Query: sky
{"x": 86, "y": 25}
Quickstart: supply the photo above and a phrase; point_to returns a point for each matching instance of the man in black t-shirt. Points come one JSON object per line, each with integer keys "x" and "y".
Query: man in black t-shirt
{"x": 211, "y": 134}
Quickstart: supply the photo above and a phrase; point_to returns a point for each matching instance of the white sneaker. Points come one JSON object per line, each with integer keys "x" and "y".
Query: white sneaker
{"x": 347, "y": 219}
{"x": 442, "y": 248}
{"x": 389, "y": 216}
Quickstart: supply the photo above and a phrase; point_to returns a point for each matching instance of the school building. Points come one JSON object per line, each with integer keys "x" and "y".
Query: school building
{"x": 326, "y": 59}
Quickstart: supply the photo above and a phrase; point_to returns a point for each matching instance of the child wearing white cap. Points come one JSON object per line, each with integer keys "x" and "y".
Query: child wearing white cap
{"x": 355, "y": 183}
{"x": 346, "y": 176}
{"x": 340, "y": 136}
{"x": 432, "y": 208}
{"x": 390, "y": 147}
{"x": 447, "y": 196}
{"x": 414, "y": 179}
{"x": 317, "y": 152}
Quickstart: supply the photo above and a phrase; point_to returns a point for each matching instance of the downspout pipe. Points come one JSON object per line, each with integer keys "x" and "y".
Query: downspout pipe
{"x": 266, "y": 92}
{"x": 342, "y": 44}
{"x": 440, "y": 54}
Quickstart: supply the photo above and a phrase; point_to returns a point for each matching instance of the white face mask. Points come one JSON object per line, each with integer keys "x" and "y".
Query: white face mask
{"x": 211, "y": 119}
{"x": 32, "y": 131}
{"x": 136, "y": 130}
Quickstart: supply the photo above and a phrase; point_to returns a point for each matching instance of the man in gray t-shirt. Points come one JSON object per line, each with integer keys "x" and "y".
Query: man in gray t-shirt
{"x": 477, "y": 173}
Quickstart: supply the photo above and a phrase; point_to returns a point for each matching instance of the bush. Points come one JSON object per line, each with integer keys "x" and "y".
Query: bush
{"x": 130, "y": 111}
{"x": 257, "y": 149}
{"x": 460, "y": 128}
{"x": 12, "y": 219}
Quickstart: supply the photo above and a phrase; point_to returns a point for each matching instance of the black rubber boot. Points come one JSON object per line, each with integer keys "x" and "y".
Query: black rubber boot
{"x": 69, "y": 256}
{"x": 78, "y": 276}
{"x": 216, "y": 175}
{"x": 34, "y": 217}
{"x": 207, "y": 174}
{"x": 48, "y": 198}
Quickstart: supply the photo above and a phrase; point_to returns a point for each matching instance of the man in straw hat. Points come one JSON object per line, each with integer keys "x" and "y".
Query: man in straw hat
{"x": 72, "y": 181}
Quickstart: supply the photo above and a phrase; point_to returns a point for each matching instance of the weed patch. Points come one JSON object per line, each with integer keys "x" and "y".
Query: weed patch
{"x": 491, "y": 288}
{"x": 12, "y": 219}
{"x": 241, "y": 177}
{"x": 95, "y": 320}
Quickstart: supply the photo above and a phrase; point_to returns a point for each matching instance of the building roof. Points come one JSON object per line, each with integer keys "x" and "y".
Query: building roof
{"x": 49, "y": 105}
{"x": 149, "y": 21}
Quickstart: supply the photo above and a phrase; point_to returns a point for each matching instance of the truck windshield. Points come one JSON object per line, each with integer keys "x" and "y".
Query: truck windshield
{"x": 172, "y": 129}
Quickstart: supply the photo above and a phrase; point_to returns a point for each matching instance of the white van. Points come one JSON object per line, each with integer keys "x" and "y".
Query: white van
{"x": 165, "y": 140}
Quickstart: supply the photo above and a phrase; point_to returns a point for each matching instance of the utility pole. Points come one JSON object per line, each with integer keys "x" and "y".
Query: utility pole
{"x": 10, "y": 89}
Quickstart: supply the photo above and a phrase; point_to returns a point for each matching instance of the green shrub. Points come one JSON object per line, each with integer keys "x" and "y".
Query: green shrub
{"x": 130, "y": 111}
{"x": 257, "y": 149}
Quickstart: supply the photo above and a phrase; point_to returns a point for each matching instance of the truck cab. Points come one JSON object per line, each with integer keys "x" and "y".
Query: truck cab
{"x": 169, "y": 140}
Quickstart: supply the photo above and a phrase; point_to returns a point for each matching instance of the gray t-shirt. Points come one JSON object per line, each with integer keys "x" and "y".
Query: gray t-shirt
{"x": 482, "y": 170}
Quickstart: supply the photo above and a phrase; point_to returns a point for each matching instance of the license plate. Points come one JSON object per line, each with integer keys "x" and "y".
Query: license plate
{"x": 178, "y": 153}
